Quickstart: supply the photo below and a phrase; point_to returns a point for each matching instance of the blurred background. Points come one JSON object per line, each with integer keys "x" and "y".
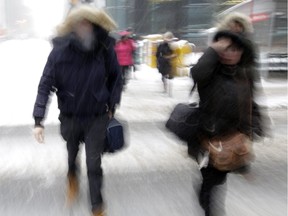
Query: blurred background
{"x": 188, "y": 20}
{"x": 32, "y": 176}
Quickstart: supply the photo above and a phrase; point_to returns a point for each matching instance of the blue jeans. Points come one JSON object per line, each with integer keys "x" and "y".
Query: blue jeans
{"x": 92, "y": 132}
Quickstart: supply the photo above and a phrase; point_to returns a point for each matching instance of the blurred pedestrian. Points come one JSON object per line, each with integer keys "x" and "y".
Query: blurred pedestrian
{"x": 133, "y": 39}
{"x": 164, "y": 55}
{"x": 241, "y": 24}
{"x": 225, "y": 80}
{"x": 83, "y": 70}
{"x": 124, "y": 49}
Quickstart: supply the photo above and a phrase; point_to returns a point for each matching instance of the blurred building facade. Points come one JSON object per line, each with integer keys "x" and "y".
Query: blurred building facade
{"x": 29, "y": 18}
{"x": 187, "y": 19}
{"x": 190, "y": 19}
{"x": 15, "y": 18}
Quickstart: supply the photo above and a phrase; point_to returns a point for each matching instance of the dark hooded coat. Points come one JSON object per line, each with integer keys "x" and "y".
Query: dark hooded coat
{"x": 163, "y": 63}
{"x": 86, "y": 82}
{"x": 226, "y": 93}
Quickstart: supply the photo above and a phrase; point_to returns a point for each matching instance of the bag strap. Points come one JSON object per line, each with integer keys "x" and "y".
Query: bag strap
{"x": 218, "y": 149}
{"x": 193, "y": 89}
{"x": 104, "y": 52}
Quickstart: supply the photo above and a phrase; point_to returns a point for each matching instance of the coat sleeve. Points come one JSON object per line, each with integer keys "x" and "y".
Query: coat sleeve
{"x": 158, "y": 52}
{"x": 202, "y": 72}
{"x": 114, "y": 82}
{"x": 132, "y": 44}
{"x": 45, "y": 87}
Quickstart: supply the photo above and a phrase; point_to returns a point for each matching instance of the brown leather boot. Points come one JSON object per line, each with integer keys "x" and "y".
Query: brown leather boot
{"x": 72, "y": 188}
{"x": 98, "y": 211}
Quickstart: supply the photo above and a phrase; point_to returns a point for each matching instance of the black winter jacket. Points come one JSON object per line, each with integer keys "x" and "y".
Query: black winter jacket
{"x": 163, "y": 64}
{"x": 226, "y": 96}
{"x": 86, "y": 82}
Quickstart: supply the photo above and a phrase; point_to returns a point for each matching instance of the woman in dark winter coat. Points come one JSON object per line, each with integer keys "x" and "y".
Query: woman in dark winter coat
{"x": 225, "y": 77}
{"x": 164, "y": 55}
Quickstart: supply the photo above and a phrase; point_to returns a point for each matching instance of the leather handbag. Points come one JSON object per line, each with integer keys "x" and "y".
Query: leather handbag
{"x": 114, "y": 136}
{"x": 229, "y": 153}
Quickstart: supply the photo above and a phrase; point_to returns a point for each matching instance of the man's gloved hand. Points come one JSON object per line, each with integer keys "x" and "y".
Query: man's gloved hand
{"x": 38, "y": 132}
{"x": 110, "y": 114}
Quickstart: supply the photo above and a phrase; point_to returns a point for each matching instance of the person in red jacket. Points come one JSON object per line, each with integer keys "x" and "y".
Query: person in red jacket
{"x": 124, "y": 49}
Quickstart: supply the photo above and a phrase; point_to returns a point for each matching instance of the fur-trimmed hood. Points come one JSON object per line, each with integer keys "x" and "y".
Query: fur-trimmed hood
{"x": 94, "y": 15}
{"x": 244, "y": 20}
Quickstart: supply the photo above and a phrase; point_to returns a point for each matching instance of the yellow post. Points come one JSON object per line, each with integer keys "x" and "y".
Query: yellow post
{"x": 151, "y": 49}
{"x": 181, "y": 48}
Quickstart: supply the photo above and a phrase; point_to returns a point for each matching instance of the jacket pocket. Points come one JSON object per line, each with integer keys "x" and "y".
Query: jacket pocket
{"x": 66, "y": 101}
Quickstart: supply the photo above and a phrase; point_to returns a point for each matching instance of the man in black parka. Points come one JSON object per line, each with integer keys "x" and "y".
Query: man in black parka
{"x": 83, "y": 70}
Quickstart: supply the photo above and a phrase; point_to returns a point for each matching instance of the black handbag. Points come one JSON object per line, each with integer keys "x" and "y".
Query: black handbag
{"x": 184, "y": 121}
{"x": 114, "y": 136}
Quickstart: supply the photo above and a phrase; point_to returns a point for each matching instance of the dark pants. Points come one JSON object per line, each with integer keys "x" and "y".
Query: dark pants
{"x": 91, "y": 131}
{"x": 211, "y": 198}
{"x": 125, "y": 71}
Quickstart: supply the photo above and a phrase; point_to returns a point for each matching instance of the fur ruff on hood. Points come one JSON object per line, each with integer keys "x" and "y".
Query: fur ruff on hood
{"x": 244, "y": 20}
{"x": 94, "y": 15}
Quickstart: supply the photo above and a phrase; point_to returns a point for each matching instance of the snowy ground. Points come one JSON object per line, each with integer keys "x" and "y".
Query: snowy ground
{"x": 154, "y": 170}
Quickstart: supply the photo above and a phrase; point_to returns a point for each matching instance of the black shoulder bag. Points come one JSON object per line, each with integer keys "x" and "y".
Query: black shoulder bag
{"x": 184, "y": 120}
{"x": 115, "y": 140}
